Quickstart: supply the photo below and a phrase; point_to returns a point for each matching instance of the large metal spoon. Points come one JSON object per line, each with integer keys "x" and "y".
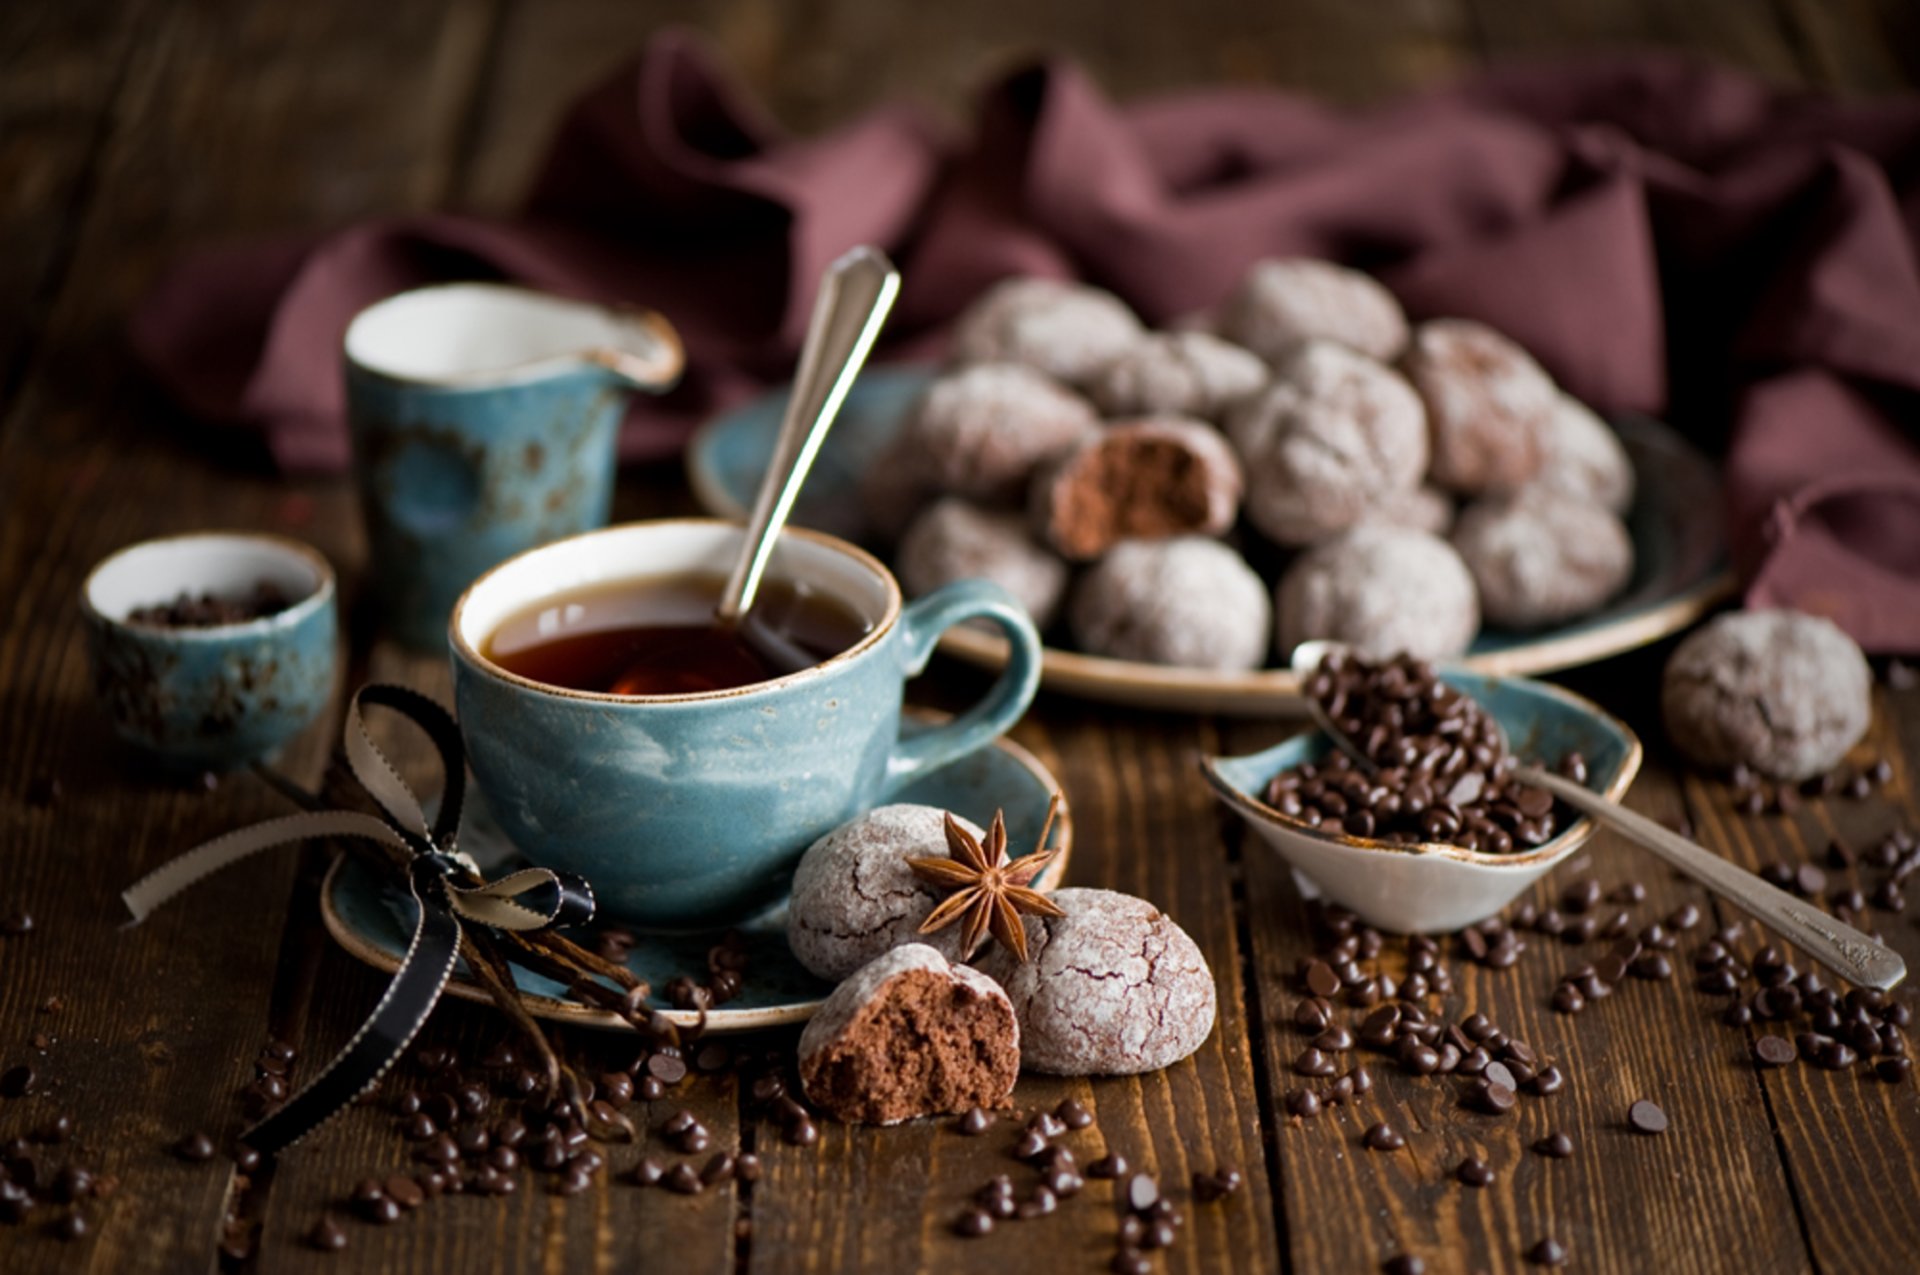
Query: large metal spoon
{"x": 855, "y": 296}
{"x": 1838, "y": 946}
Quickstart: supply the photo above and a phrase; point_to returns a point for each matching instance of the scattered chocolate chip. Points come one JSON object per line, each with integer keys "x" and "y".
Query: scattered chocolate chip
{"x": 1555, "y": 1146}
{"x": 196, "y": 1148}
{"x": 1548, "y": 1252}
{"x": 1492, "y": 1099}
{"x": 1645, "y": 1117}
{"x": 1403, "y": 1264}
{"x": 973, "y": 1223}
{"x": 1474, "y": 1171}
{"x": 682, "y": 1180}
{"x": 1142, "y": 1192}
{"x": 1110, "y": 1166}
{"x": 1773, "y": 1051}
{"x": 18, "y": 1082}
{"x": 327, "y": 1234}
{"x": 1383, "y": 1137}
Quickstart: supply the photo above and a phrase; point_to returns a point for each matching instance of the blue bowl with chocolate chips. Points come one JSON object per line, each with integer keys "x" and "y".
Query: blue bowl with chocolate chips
{"x": 1432, "y": 887}
{"x": 213, "y": 650}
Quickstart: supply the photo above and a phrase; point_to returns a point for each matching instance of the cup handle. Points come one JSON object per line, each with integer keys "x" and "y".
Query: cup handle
{"x": 921, "y": 624}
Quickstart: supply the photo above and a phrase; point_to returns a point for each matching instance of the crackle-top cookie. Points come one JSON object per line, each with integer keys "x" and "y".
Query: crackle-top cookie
{"x": 1067, "y": 330}
{"x": 1584, "y": 458}
{"x": 1779, "y": 691}
{"x": 1112, "y": 988}
{"x": 854, "y": 896}
{"x": 1542, "y": 557}
{"x": 954, "y": 540}
{"x": 1488, "y": 404}
{"x": 1381, "y": 589}
{"x": 1188, "y": 602}
{"x": 1333, "y": 436}
{"x": 1177, "y": 374}
{"x": 1283, "y": 303}
{"x": 981, "y": 431}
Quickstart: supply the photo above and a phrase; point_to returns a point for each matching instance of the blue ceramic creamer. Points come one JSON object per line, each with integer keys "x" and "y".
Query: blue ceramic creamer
{"x": 222, "y": 696}
{"x": 483, "y": 420}
{"x": 690, "y": 811}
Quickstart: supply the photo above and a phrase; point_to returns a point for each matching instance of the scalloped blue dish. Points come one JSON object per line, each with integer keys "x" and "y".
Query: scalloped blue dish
{"x": 1435, "y": 889}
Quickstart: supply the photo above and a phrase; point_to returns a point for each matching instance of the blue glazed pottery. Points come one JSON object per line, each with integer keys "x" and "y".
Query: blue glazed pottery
{"x": 1436, "y": 889}
{"x": 217, "y": 697}
{"x": 483, "y": 420}
{"x": 689, "y": 811}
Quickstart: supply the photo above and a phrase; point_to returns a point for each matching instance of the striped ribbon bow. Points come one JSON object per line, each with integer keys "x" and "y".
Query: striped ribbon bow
{"x": 446, "y": 884}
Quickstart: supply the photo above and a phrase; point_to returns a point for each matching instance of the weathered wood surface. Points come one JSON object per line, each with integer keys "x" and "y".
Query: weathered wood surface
{"x": 130, "y": 132}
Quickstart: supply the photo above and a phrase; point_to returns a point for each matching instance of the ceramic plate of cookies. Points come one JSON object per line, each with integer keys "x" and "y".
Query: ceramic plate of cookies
{"x": 1178, "y": 509}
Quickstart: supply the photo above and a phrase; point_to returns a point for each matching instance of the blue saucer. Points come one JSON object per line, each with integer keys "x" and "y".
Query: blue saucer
{"x": 373, "y": 919}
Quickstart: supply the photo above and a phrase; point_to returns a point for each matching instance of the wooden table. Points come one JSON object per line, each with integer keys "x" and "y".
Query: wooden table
{"x": 131, "y": 129}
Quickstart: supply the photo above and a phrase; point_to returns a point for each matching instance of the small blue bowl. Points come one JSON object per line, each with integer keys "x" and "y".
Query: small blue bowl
{"x": 222, "y": 696}
{"x": 1434, "y": 888}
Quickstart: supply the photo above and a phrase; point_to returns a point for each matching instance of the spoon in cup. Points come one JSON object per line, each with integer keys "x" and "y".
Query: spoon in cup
{"x": 855, "y": 297}
{"x": 1839, "y": 946}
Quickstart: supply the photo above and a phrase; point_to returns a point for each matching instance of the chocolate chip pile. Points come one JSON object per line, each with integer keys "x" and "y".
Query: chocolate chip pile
{"x": 1442, "y": 772}
{"x": 206, "y": 610}
{"x": 1149, "y": 1217}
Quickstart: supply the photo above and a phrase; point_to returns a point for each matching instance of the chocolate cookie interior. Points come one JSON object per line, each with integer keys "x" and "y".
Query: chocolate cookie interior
{"x": 923, "y": 1045}
{"x": 1128, "y": 489}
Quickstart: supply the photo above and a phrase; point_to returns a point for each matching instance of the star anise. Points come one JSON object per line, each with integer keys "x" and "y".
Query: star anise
{"x": 989, "y": 891}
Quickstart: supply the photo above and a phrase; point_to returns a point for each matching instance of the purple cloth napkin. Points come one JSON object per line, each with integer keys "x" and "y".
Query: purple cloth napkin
{"x": 1666, "y": 237}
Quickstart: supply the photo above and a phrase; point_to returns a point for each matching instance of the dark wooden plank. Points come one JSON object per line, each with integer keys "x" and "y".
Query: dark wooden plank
{"x": 232, "y": 118}
{"x": 1711, "y": 1196}
{"x": 1846, "y": 1136}
{"x": 1748, "y": 36}
{"x": 872, "y": 1199}
{"x": 1857, "y": 46}
{"x": 61, "y": 70}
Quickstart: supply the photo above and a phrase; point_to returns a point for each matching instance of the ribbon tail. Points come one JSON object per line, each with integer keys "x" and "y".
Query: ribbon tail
{"x": 182, "y": 871}
{"x": 530, "y": 899}
{"x": 395, "y": 1021}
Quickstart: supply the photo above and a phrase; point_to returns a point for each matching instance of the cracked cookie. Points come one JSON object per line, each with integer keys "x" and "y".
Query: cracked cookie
{"x": 1187, "y": 601}
{"x": 1489, "y": 405}
{"x": 1784, "y": 693}
{"x": 1541, "y": 557}
{"x": 1283, "y": 303}
{"x": 981, "y": 431}
{"x": 908, "y": 1035}
{"x": 1179, "y": 374}
{"x": 1112, "y": 987}
{"x": 954, "y": 540}
{"x": 854, "y": 897}
{"x": 1382, "y": 590}
{"x": 1067, "y": 330}
{"x": 1331, "y": 439}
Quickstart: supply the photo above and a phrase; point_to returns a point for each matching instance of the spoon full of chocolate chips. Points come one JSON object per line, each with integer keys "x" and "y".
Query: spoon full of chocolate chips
{"x": 1343, "y": 691}
{"x": 854, "y": 299}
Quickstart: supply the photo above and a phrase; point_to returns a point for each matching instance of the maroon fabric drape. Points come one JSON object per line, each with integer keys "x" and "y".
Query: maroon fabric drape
{"x": 1665, "y": 236}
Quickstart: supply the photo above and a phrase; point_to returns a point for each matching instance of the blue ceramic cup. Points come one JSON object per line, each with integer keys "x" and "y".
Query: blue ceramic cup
{"x": 217, "y": 697}
{"x": 690, "y": 811}
{"x": 484, "y": 420}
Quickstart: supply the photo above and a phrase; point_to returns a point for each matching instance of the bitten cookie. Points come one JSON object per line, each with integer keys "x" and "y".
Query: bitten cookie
{"x": 1784, "y": 693}
{"x": 1583, "y": 457}
{"x": 1112, "y": 988}
{"x": 1067, "y": 330}
{"x": 1331, "y": 438}
{"x": 1177, "y": 374}
{"x": 1138, "y": 480}
{"x": 1382, "y": 590}
{"x": 1488, "y": 404}
{"x": 1282, "y": 304}
{"x": 854, "y": 896}
{"x": 1539, "y": 558}
{"x": 957, "y": 541}
{"x": 1188, "y": 602}
{"x": 981, "y": 431}
{"x": 910, "y": 1035}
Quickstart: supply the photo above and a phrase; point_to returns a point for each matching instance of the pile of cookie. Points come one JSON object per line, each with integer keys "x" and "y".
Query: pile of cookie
{"x": 1400, "y": 483}
{"x": 1074, "y": 983}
